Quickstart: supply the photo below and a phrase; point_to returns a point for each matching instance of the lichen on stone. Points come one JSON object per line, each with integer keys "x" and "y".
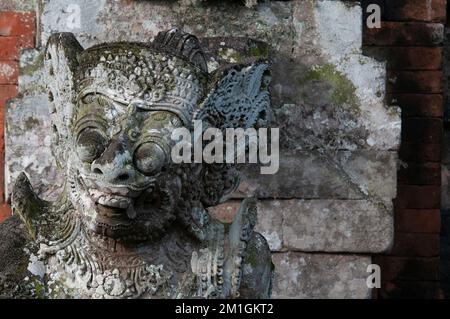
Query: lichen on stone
{"x": 343, "y": 90}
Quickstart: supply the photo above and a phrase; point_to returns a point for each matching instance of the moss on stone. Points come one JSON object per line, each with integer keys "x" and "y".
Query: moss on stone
{"x": 31, "y": 123}
{"x": 33, "y": 67}
{"x": 39, "y": 288}
{"x": 253, "y": 257}
{"x": 343, "y": 88}
{"x": 259, "y": 52}
{"x": 230, "y": 55}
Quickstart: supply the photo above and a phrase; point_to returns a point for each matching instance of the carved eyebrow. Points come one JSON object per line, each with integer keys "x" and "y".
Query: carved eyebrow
{"x": 102, "y": 96}
{"x": 89, "y": 120}
{"x": 111, "y": 95}
{"x": 144, "y": 106}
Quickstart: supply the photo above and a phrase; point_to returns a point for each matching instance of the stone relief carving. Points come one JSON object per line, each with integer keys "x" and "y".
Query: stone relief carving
{"x": 129, "y": 223}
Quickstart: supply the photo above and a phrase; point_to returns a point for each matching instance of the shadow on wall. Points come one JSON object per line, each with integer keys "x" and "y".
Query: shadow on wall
{"x": 445, "y": 217}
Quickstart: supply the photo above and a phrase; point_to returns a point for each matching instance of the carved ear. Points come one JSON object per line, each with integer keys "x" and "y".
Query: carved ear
{"x": 239, "y": 98}
{"x": 61, "y": 63}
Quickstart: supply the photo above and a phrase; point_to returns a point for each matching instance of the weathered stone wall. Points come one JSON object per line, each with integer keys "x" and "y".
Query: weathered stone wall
{"x": 329, "y": 208}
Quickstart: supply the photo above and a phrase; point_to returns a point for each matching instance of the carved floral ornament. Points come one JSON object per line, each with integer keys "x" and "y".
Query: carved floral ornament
{"x": 130, "y": 223}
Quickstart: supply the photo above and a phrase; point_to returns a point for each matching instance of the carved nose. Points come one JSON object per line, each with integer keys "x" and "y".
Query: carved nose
{"x": 113, "y": 165}
{"x": 118, "y": 176}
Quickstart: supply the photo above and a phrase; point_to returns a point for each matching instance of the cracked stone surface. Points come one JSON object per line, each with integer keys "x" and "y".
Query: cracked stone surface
{"x": 302, "y": 275}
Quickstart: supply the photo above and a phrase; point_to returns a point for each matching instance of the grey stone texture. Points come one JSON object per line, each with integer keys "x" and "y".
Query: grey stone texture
{"x": 320, "y": 276}
{"x": 326, "y": 225}
{"x": 29, "y": 145}
{"x": 337, "y": 226}
{"x": 308, "y": 174}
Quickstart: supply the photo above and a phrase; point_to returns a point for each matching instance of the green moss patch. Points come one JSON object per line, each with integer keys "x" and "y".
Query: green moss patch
{"x": 343, "y": 90}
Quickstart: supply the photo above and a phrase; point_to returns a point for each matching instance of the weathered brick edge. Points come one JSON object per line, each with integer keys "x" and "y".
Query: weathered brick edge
{"x": 410, "y": 40}
{"x": 17, "y": 32}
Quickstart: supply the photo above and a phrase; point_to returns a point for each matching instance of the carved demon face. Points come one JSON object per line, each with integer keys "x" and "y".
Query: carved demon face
{"x": 124, "y": 182}
{"x": 115, "y": 107}
{"x": 129, "y": 100}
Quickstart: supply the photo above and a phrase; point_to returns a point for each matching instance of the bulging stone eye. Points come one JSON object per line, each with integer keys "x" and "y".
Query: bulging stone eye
{"x": 149, "y": 158}
{"x": 90, "y": 144}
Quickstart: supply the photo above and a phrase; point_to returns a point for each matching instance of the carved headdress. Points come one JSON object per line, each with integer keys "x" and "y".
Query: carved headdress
{"x": 170, "y": 73}
{"x": 132, "y": 222}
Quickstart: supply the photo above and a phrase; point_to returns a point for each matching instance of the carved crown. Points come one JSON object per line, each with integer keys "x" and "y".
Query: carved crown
{"x": 170, "y": 73}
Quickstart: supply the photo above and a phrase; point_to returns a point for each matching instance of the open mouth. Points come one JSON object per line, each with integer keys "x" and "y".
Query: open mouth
{"x": 127, "y": 214}
{"x": 112, "y": 207}
{"x": 111, "y": 212}
{"x": 110, "y": 200}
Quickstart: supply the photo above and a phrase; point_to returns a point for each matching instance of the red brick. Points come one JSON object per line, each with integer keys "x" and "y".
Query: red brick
{"x": 418, "y": 105}
{"x": 225, "y": 212}
{"x": 419, "y": 10}
{"x": 414, "y": 82}
{"x": 409, "y": 289}
{"x": 408, "y": 58}
{"x": 418, "y": 220}
{"x": 416, "y": 245}
{"x": 420, "y": 152}
{"x": 7, "y": 92}
{"x": 419, "y": 197}
{"x": 9, "y": 72}
{"x": 408, "y": 268}
{"x": 422, "y": 130}
{"x": 5, "y": 212}
{"x": 410, "y": 10}
{"x": 17, "y": 23}
{"x": 10, "y": 46}
{"x": 27, "y": 42}
{"x": 405, "y": 34}
{"x": 420, "y": 174}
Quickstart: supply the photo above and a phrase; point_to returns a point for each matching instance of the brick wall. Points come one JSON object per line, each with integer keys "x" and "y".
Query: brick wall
{"x": 410, "y": 40}
{"x": 17, "y": 32}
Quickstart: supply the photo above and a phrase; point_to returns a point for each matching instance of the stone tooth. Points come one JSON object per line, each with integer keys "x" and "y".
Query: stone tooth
{"x": 123, "y": 204}
{"x": 111, "y": 201}
{"x": 102, "y": 200}
{"x": 95, "y": 194}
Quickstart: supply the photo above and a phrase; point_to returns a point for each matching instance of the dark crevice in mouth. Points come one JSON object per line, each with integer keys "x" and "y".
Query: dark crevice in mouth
{"x": 106, "y": 227}
{"x": 112, "y": 212}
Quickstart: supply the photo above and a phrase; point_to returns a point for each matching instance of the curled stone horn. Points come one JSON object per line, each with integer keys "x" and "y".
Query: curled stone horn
{"x": 183, "y": 44}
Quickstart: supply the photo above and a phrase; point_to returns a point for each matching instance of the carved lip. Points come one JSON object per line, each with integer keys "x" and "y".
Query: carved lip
{"x": 128, "y": 190}
{"x": 113, "y": 209}
{"x": 110, "y": 200}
